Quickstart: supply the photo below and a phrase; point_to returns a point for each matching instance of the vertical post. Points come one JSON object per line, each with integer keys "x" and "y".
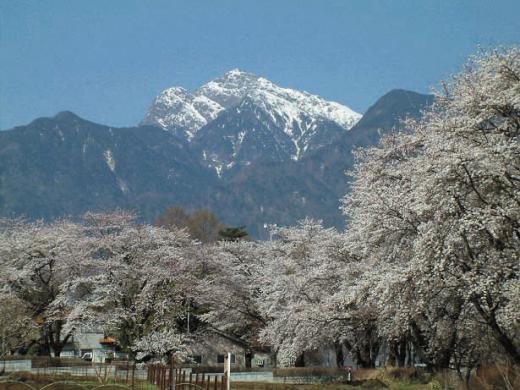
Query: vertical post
{"x": 173, "y": 374}
{"x": 133, "y": 375}
{"x": 160, "y": 378}
{"x": 228, "y": 371}
{"x": 224, "y": 376}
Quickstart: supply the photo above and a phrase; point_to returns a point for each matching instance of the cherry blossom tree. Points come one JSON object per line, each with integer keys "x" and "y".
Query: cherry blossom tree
{"x": 38, "y": 261}
{"x": 225, "y": 280}
{"x": 138, "y": 292}
{"x": 17, "y": 328}
{"x": 469, "y": 184}
{"x": 104, "y": 272}
{"x": 306, "y": 265}
{"x": 165, "y": 344}
{"x": 435, "y": 211}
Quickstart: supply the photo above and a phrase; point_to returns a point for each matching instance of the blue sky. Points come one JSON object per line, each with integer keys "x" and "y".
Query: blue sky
{"x": 107, "y": 59}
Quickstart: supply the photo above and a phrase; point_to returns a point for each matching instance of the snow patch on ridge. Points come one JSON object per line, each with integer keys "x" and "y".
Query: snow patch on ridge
{"x": 109, "y": 159}
{"x": 178, "y": 110}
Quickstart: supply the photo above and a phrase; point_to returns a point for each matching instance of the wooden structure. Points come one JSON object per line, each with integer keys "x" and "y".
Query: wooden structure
{"x": 170, "y": 378}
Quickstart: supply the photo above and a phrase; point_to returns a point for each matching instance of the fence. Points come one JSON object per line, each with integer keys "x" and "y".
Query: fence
{"x": 115, "y": 373}
{"x": 105, "y": 377}
{"x": 118, "y": 376}
{"x": 168, "y": 377}
{"x": 15, "y": 365}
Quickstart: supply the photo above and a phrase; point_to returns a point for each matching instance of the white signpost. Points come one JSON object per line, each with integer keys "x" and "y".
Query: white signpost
{"x": 227, "y": 368}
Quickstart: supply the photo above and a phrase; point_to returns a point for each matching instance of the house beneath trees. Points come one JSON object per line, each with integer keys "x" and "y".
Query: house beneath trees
{"x": 211, "y": 348}
{"x": 84, "y": 342}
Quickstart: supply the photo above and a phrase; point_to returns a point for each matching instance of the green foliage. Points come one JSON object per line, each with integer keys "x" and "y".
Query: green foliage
{"x": 202, "y": 224}
{"x": 233, "y": 233}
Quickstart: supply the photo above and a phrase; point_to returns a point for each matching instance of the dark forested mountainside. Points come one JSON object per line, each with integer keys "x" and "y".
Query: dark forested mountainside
{"x": 65, "y": 165}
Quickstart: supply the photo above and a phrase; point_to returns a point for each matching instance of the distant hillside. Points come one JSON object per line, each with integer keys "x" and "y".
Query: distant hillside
{"x": 313, "y": 186}
{"x": 65, "y": 165}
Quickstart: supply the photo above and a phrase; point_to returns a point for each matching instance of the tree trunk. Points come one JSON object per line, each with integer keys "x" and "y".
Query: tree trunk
{"x": 249, "y": 358}
{"x": 498, "y": 333}
{"x": 363, "y": 358}
{"x": 393, "y": 351}
{"x": 340, "y": 358}
{"x": 300, "y": 360}
{"x": 55, "y": 342}
{"x": 401, "y": 353}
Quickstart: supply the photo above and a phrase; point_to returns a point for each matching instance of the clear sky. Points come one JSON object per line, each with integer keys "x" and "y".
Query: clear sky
{"x": 106, "y": 59}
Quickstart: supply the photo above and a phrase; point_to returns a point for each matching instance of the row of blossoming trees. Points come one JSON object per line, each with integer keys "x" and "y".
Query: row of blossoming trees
{"x": 429, "y": 261}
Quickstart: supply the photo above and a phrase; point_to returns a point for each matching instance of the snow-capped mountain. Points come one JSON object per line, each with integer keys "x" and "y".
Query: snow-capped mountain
{"x": 242, "y": 118}
{"x": 288, "y": 104}
{"x": 66, "y": 165}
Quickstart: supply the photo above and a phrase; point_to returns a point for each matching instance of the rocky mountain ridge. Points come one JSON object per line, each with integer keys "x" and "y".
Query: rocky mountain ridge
{"x": 240, "y": 119}
{"x": 65, "y": 165}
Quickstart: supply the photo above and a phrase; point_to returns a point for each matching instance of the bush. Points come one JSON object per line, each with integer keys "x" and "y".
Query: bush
{"x": 497, "y": 376}
{"x": 208, "y": 369}
{"x": 408, "y": 374}
{"x": 48, "y": 361}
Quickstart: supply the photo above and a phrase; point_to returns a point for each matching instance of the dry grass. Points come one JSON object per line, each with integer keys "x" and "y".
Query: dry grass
{"x": 364, "y": 374}
{"x": 493, "y": 377}
{"x": 66, "y": 382}
{"x": 287, "y": 386}
{"x": 498, "y": 376}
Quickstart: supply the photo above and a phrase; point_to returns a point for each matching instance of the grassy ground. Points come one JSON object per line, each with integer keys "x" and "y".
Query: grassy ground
{"x": 487, "y": 378}
{"x": 366, "y": 385}
{"x": 393, "y": 379}
{"x": 65, "y": 382}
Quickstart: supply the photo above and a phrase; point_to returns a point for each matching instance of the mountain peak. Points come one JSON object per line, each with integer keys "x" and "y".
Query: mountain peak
{"x": 66, "y": 116}
{"x": 389, "y": 110}
{"x": 238, "y": 73}
{"x": 241, "y": 118}
{"x": 185, "y": 113}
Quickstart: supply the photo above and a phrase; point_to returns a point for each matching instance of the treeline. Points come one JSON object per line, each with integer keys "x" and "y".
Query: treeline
{"x": 427, "y": 269}
{"x": 201, "y": 224}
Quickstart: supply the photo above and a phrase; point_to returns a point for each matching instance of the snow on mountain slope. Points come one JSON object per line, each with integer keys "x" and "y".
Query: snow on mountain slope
{"x": 240, "y": 119}
{"x": 288, "y": 103}
{"x": 180, "y": 111}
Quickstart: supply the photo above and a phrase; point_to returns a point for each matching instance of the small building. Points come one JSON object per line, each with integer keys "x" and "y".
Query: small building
{"x": 211, "y": 348}
{"x": 94, "y": 342}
